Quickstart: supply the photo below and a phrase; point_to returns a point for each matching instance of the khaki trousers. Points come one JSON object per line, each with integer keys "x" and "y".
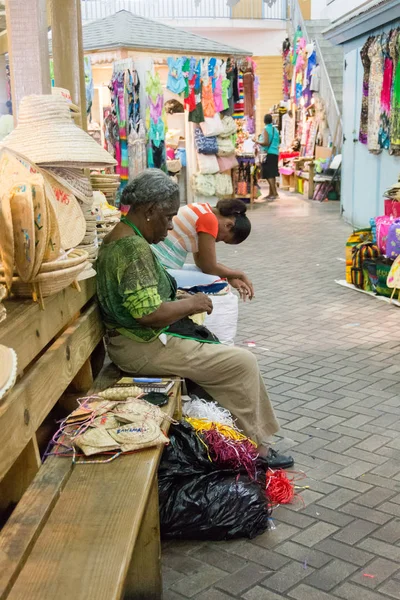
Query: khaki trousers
{"x": 230, "y": 375}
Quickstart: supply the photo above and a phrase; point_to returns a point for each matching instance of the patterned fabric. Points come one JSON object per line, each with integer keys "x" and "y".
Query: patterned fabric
{"x": 131, "y": 284}
{"x": 384, "y": 140}
{"x": 395, "y": 105}
{"x": 363, "y": 135}
{"x": 374, "y": 97}
{"x": 190, "y": 220}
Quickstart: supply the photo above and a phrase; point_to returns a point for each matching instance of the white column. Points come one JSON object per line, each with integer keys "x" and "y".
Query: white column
{"x": 28, "y": 49}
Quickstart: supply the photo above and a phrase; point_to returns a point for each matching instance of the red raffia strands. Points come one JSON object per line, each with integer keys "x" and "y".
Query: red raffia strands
{"x": 280, "y": 488}
{"x": 233, "y": 454}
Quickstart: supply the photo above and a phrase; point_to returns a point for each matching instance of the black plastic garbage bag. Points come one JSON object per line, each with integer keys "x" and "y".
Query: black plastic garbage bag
{"x": 198, "y": 500}
{"x": 185, "y": 454}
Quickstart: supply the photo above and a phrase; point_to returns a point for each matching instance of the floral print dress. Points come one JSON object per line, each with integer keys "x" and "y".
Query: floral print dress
{"x": 376, "y": 57}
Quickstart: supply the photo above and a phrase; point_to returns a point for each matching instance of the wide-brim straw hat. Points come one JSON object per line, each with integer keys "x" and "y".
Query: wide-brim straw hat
{"x": 66, "y": 94}
{"x": 47, "y": 135}
{"x": 8, "y": 370}
{"x": 75, "y": 181}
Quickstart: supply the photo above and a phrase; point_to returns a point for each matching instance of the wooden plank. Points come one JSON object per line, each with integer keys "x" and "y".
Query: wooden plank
{"x": 83, "y": 380}
{"x": 85, "y": 550}
{"x": 20, "y": 476}
{"x": 144, "y": 581}
{"x": 30, "y": 401}
{"x": 28, "y": 519}
{"x": 41, "y": 326}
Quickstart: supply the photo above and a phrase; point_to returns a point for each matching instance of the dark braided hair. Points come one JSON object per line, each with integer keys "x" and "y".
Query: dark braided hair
{"x": 236, "y": 208}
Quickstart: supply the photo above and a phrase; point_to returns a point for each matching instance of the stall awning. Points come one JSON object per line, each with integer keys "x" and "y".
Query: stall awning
{"x": 126, "y": 30}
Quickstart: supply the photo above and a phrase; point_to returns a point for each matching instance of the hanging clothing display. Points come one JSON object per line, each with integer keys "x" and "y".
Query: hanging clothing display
{"x": 380, "y": 107}
{"x": 365, "y": 59}
{"x": 176, "y": 79}
{"x": 395, "y": 102}
{"x": 375, "y": 54}
{"x": 307, "y": 90}
{"x": 155, "y": 113}
{"x": 122, "y": 125}
{"x": 383, "y": 135}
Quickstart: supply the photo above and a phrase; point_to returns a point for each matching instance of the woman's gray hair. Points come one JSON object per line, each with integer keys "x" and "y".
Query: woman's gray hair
{"x": 152, "y": 186}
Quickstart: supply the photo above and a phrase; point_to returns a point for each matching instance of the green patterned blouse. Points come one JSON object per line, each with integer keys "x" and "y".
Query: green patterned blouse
{"x": 131, "y": 284}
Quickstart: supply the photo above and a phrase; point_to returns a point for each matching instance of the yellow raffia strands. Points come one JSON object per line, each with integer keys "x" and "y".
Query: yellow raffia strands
{"x": 225, "y": 430}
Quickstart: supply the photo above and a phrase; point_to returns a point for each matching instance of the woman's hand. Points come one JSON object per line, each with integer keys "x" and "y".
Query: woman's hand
{"x": 243, "y": 289}
{"x": 249, "y": 284}
{"x": 201, "y": 303}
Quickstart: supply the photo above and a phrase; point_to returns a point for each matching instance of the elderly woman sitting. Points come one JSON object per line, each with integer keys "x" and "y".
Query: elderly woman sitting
{"x": 147, "y": 328}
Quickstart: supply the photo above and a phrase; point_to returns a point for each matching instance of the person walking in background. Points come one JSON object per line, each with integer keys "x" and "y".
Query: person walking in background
{"x": 269, "y": 142}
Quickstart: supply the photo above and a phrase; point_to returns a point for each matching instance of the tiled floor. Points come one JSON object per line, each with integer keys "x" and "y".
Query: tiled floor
{"x": 331, "y": 360}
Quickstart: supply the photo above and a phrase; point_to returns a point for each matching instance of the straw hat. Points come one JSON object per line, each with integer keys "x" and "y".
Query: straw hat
{"x": 66, "y": 94}
{"x": 42, "y": 230}
{"x": 75, "y": 181}
{"x": 47, "y": 135}
{"x": 8, "y": 369}
{"x": 70, "y": 217}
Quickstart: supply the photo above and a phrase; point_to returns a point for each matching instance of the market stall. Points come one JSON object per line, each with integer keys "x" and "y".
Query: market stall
{"x": 157, "y": 95}
{"x": 306, "y": 140}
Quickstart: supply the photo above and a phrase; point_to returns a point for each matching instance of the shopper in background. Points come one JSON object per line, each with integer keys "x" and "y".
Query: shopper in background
{"x": 269, "y": 148}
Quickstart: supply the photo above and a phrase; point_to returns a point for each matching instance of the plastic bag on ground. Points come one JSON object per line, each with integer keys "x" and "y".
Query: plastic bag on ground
{"x": 198, "y": 500}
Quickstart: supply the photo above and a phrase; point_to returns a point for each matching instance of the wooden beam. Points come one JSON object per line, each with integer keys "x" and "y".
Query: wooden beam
{"x": 28, "y": 519}
{"x": 41, "y": 326}
{"x": 20, "y": 476}
{"x": 68, "y": 50}
{"x": 30, "y": 401}
{"x": 144, "y": 578}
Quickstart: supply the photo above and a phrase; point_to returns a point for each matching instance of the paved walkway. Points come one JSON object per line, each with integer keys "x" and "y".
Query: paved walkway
{"x": 330, "y": 358}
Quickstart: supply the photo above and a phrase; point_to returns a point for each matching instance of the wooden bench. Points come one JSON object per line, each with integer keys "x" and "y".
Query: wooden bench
{"x": 86, "y": 531}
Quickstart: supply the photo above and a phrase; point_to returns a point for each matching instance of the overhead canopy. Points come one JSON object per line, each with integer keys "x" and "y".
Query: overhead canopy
{"x": 126, "y": 30}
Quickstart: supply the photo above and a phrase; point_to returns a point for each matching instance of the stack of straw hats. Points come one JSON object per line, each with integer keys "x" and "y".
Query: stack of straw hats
{"x": 47, "y": 135}
{"x": 41, "y": 180}
{"x": 108, "y": 184}
{"x": 107, "y": 215}
{"x": 90, "y": 242}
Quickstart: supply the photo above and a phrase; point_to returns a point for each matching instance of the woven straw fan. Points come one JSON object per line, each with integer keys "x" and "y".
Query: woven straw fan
{"x": 70, "y": 217}
{"x": 53, "y": 248}
{"x": 24, "y": 230}
{"x": 40, "y": 220}
{"x": 6, "y": 239}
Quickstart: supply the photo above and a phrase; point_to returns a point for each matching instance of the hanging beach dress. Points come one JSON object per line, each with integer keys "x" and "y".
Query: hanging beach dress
{"x": 383, "y": 138}
{"x": 375, "y": 54}
{"x": 363, "y": 134}
{"x": 395, "y": 104}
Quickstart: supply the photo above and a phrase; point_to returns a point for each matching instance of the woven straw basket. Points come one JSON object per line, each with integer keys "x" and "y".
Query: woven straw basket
{"x": 46, "y": 284}
{"x": 73, "y": 259}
